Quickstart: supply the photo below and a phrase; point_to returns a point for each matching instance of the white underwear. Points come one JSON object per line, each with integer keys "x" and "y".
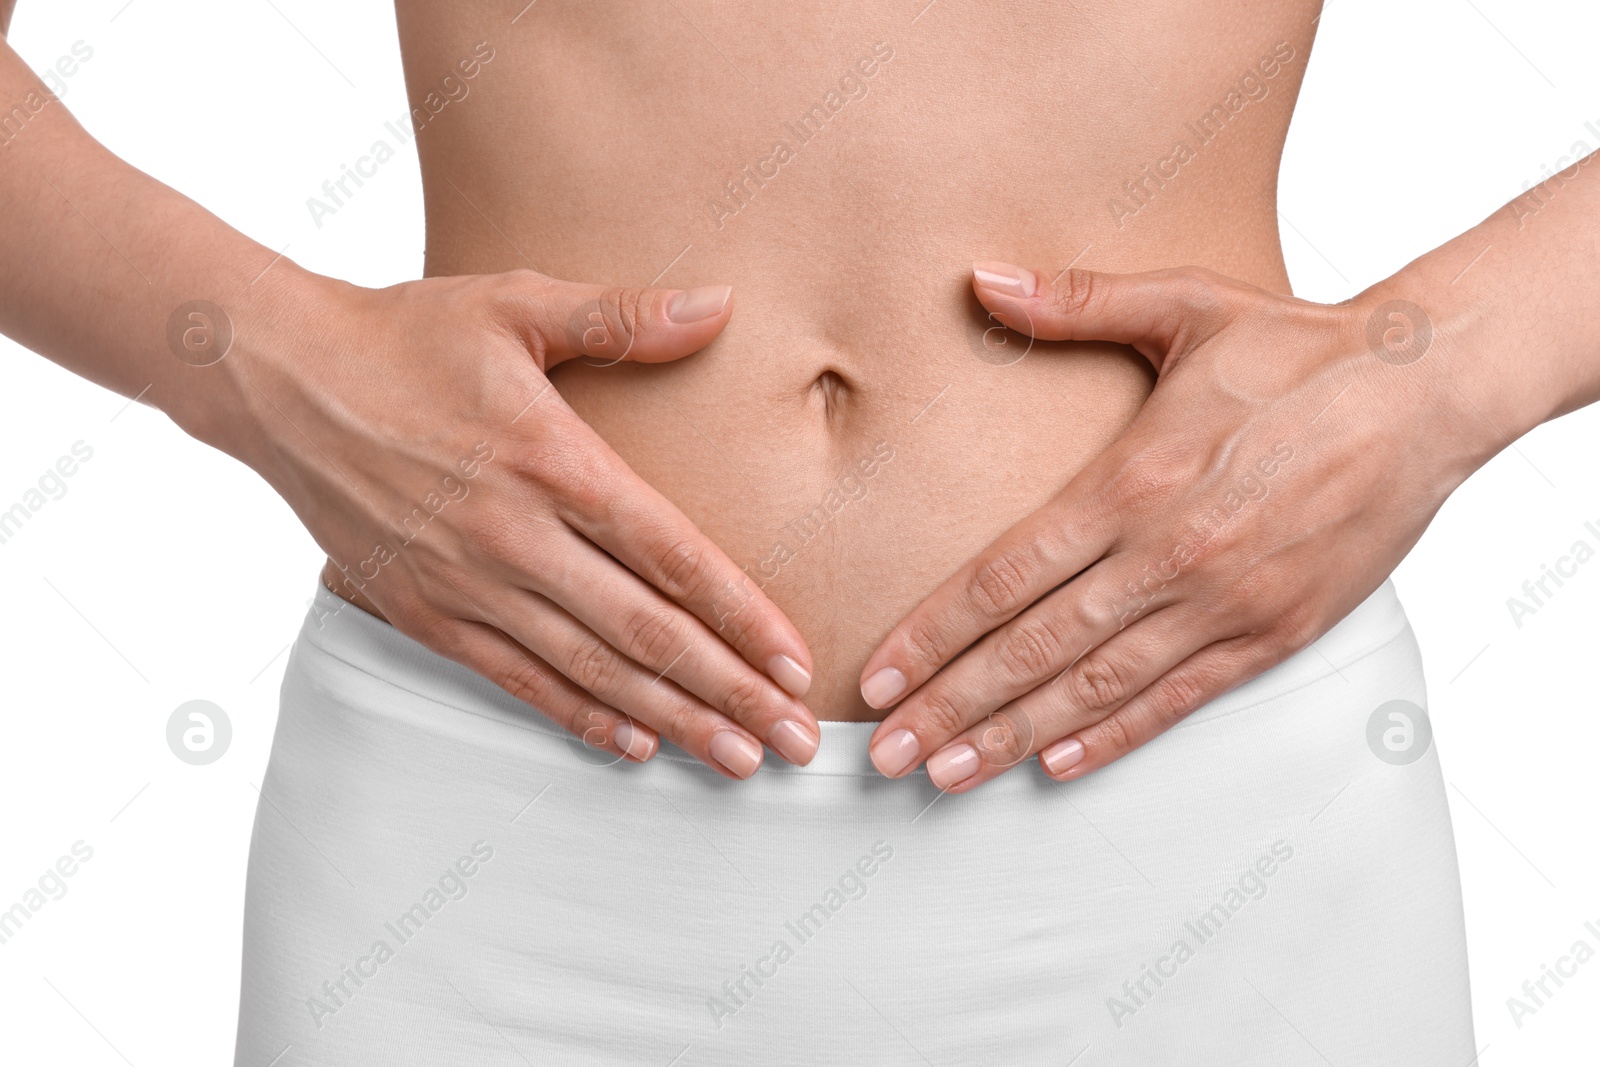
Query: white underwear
{"x": 438, "y": 875}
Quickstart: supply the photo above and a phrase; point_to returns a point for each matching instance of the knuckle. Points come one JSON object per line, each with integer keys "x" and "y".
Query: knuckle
{"x": 677, "y": 567}
{"x": 1205, "y": 292}
{"x": 409, "y": 612}
{"x": 1249, "y": 600}
{"x": 524, "y": 679}
{"x": 521, "y": 283}
{"x": 1290, "y": 628}
{"x": 628, "y": 306}
{"x": 490, "y": 535}
{"x": 1202, "y": 553}
{"x": 1193, "y": 276}
{"x": 1098, "y": 683}
{"x": 744, "y": 699}
{"x": 605, "y": 327}
{"x": 938, "y": 716}
{"x": 653, "y": 636}
{"x": 1176, "y": 696}
{"x": 1281, "y": 632}
{"x": 1029, "y": 650}
{"x": 523, "y": 279}
{"x": 737, "y": 612}
{"x": 1144, "y": 481}
{"x": 1074, "y": 292}
{"x": 594, "y": 667}
{"x": 1000, "y": 586}
{"x": 925, "y": 642}
{"x": 512, "y": 295}
{"x": 674, "y": 720}
{"x": 1115, "y": 733}
{"x": 1093, "y": 614}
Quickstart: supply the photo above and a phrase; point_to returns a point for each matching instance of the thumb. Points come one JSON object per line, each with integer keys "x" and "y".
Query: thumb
{"x": 1156, "y": 312}
{"x": 605, "y": 324}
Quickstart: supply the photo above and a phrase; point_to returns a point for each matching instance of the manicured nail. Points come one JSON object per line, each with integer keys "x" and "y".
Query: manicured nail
{"x": 893, "y": 754}
{"x": 793, "y": 742}
{"x": 1005, "y": 278}
{"x": 737, "y": 753}
{"x": 794, "y": 678}
{"x": 880, "y": 690}
{"x": 953, "y": 765}
{"x": 1062, "y": 755}
{"x": 634, "y": 742}
{"x": 692, "y": 305}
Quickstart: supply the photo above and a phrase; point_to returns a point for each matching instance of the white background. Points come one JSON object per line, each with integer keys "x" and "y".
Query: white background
{"x": 167, "y": 572}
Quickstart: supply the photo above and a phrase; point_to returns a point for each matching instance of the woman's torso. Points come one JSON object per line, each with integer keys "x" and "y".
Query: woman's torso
{"x": 859, "y": 430}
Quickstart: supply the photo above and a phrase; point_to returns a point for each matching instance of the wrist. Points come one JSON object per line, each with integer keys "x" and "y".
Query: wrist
{"x": 1444, "y": 354}
{"x": 254, "y": 335}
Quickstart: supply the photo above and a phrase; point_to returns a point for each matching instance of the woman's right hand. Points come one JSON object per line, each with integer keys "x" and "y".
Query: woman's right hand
{"x": 415, "y": 433}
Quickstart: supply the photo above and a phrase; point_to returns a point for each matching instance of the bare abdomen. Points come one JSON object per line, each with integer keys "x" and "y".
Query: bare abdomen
{"x": 860, "y": 430}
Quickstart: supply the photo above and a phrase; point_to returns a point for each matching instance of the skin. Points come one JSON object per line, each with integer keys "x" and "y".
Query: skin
{"x": 551, "y": 568}
{"x": 1192, "y": 555}
{"x": 613, "y": 562}
{"x": 595, "y": 142}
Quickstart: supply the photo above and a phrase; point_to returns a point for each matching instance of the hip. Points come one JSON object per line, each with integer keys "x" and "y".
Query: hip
{"x": 435, "y": 867}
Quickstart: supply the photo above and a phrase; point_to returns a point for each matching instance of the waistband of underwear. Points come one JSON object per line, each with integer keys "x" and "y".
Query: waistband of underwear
{"x": 374, "y": 647}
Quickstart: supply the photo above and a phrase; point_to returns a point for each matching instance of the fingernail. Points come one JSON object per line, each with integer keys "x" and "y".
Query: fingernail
{"x": 880, "y": 690}
{"x": 953, "y": 765}
{"x": 794, "y": 678}
{"x": 893, "y": 754}
{"x": 793, "y": 742}
{"x": 736, "y": 752}
{"x": 1005, "y": 278}
{"x": 692, "y": 305}
{"x": 634, "y": 742}
{"x": 1062, "y": 755}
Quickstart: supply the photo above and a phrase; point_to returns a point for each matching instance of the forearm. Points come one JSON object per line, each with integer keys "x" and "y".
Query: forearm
{"x": 97, "y": 258}
{"x": 1515, "y": 311}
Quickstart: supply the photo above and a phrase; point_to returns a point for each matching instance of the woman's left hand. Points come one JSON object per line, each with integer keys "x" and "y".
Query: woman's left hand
{"x": 1289, "y": 457}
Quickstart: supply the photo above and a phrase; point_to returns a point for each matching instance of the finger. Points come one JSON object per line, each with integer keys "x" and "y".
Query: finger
{"x": 596, "y": 668}
{"x": 649, "y": 630}
{"x": 1013, "y": 659}
{"x": 531, "y": 680}
{"x": 1153, "y": 311}
{"x": 561, "y": 320}
{"x": 612, "y": 678}
{"x": 1102, "y": 681}
{"x": 1026, "y": 562}
{"x": 1201, "y": 678}
{"x": 643, "y": 531}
